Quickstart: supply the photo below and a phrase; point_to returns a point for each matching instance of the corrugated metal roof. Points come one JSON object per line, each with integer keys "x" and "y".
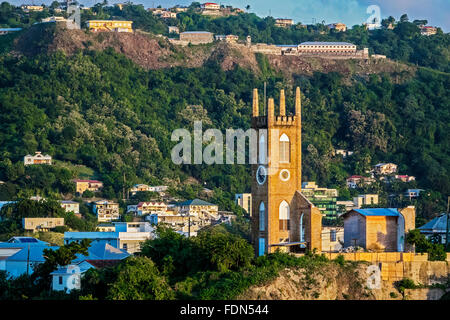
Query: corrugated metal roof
{"x": 388, "y": 212}
{"x": 195, "y": 202}
{"x": 36, "y": 254}
{"x": 103, "y": 251}
{"x": 438, "y": 224}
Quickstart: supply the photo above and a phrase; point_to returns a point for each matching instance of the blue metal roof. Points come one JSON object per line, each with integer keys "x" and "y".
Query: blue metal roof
{"x": 36, "y": 254}
{"x": 388, "y": 212}
{"x": 102, "y": 251}
{"x": 27, "y": 240}
{"x": 90, "y": 235}
{"x": 438, "y": 224}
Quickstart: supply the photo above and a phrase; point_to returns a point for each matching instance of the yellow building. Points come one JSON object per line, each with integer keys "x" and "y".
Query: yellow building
{"x": 196, "y": 208}
{"x": 42, "y": 224}
{"x": 28, "y": 8}
{"x": 91, "y": 185}
{"x": 341, "y": 27}
{"x": 110, "y": 25}
{"x": 284, "y": 23}
{"x": 244, "y": 200}
{"x": 282, "y": 218}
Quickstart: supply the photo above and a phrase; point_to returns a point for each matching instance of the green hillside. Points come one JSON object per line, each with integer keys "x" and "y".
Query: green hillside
{"x": 98, "y": 109}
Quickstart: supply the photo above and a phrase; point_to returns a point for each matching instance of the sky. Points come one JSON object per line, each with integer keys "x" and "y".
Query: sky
{"x": 350, "y": 12}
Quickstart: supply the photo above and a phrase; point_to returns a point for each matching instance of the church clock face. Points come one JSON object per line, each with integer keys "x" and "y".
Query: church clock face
{"x": 261, "y": 175}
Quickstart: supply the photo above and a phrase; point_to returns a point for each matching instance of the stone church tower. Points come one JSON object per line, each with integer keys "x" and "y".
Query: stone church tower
{"x": 282, "y": 218}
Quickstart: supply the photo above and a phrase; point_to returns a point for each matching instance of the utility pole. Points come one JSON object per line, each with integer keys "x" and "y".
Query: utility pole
{"x": 123, "y": 192}
{"x": 28, "y": 259}
{"x": 265, "y": 98}
{"x": 448, "y": 214}
{"x": 189, "y": 224}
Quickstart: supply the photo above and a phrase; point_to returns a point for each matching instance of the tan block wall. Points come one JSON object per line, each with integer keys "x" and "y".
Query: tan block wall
{"x": 354, "y": 228}
{"x": 381, "y": 232}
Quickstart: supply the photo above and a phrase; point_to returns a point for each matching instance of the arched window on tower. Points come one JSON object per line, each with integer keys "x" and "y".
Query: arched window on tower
{"x": 284, "y": 216}
{"x": 262, "y": 150}
{"x": 262, "y": 217}
{"x": 285, "y": 149}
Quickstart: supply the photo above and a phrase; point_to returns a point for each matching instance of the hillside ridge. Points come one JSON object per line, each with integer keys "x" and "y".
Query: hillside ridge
{"x": 152, "y": 52}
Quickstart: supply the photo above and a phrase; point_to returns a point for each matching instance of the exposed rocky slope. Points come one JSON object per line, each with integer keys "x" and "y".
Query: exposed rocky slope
{"x": 350, "y": 281}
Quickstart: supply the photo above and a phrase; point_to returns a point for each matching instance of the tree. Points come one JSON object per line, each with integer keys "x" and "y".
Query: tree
{"x": 224, "y": 251}
{"x": 88, "y": 194}
{"x": 436, "y": 251}
{"x": 138, "y": 278}
{"x": 404, "y": 18}
{"x": 55, "y": 258}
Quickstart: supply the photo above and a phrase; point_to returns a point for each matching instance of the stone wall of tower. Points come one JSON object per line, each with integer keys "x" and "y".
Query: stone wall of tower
{"x": 277, "y": 188}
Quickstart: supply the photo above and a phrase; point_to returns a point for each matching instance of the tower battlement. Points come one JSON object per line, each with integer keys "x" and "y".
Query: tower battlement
{"x": 270, "y": 119}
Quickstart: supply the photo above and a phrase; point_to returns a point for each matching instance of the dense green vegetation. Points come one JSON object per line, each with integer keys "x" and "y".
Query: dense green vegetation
{"x": 100, "y": 110}
{"x": 435, "y": 249}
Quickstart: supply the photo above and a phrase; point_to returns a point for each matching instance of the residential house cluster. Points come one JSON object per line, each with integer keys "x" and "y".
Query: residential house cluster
{"x": 21, "y": 255}
{"x": 357, "y": 203}
{"x": 214, "y": 9}
{"x": 190, "y": 216}
{"x": 146, "y": 188}
{"x": 127, "y": 236}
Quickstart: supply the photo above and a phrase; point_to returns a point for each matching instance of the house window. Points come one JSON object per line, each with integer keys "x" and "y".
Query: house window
{"x": 284, "y": 216}
{"x": 284, "y": 149}
{"x": 60, "y": 280}
{"x": 125, "y": 246}
{"x": 262, "y": 217}
{"x": 333, "y": 235}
